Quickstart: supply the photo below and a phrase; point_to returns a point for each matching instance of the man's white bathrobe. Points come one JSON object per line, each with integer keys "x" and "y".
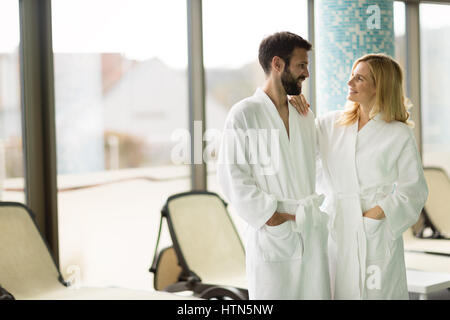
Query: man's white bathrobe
{"x": 260, "y": 171}
{"x": 379, "y": 165}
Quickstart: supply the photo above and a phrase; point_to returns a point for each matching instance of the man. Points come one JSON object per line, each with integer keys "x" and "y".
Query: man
{"x": 266, "y": 170}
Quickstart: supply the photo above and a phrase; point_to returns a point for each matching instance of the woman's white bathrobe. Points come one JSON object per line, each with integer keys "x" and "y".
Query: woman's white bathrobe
{"x": 379, "y": 165}
{"x": 260, "y": 171}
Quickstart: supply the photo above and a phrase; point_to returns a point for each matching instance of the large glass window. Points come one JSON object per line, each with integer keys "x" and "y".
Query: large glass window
{"x": 231, "y": 48}
{"x": 11, "y": 154}
{"x": 121, "y": 92}
{"x": 435, "y": 81}
{"x": 400, "y": 35}
{"x": 232, "y": 32}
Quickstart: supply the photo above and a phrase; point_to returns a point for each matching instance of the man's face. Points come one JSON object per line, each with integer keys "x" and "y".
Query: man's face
{"x": 296, "y": 72}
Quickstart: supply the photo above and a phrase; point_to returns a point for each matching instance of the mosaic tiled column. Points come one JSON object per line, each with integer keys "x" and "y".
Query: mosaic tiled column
{"x": 345, "y": 31}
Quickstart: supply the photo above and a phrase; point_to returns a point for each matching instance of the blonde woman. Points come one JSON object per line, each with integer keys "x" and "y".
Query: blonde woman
{"x": 373, "y": 180}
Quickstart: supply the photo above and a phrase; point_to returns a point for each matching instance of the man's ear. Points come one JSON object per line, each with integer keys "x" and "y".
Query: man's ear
{"x": 277, "y": 64}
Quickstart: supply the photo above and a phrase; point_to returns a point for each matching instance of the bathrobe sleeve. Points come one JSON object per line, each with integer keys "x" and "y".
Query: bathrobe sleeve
{"x": 403, "y": 205}
{"x": 236, "y": 177}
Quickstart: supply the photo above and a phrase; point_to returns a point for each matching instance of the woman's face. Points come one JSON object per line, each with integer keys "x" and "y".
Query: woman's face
{"x": 361, "y": 87}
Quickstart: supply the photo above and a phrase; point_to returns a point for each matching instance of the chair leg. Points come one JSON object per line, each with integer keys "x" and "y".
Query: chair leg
{"x": 224, "y": 292}
{"x": 178, "y": 286}
{"x": 5, "y": 295}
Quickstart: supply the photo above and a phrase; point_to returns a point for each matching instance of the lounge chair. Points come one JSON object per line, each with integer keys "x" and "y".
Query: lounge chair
{"x": 431, "y": 253}
{"x": 427, "y": 262}
{"x": 435, "y": 216}
{"x": 437, "y": 207}
{"x": 28, "y": 270}
{"x": 206, "y": 247}
{"x": 168, "y": 269}
{"x": 433, "y": 246}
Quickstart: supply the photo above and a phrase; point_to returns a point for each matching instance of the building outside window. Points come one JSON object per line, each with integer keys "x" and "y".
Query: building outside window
{"x": 435, "y": 81}
{"x": 232, "y": 69}
{"x": 11, "y": 140}
{"x": 120, "y": 93}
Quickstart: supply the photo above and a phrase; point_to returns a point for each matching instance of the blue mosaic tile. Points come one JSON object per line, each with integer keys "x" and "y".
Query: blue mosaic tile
{"x": 345, "y": 31}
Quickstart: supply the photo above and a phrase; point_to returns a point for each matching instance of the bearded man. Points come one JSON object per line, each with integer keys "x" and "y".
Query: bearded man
{"x": 266, "y": 170}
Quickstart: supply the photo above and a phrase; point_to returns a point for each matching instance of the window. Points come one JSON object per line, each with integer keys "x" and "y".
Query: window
{"x": 120, "y": 92}
{"x": 435, "y": 81}
{"x": 400, "y": 35}
{"x": 232, "y": 32}
{"x": 11, "y": 154}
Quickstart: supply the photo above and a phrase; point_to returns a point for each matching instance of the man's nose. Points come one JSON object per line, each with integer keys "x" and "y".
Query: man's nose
{"x": 306, "y": 73}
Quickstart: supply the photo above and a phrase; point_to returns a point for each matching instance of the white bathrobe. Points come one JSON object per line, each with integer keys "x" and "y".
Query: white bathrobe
{"x": 379, "y": 165}
{"x": 260, "y": 171}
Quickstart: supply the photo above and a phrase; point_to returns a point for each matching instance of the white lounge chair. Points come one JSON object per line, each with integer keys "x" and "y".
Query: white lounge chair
{"x": 433, "y": 246}
{"x": 431, "y": 254}
{"x": 28, "y": 270}
{"x": 207, "y": 256}
{"x": 437, "y": 207}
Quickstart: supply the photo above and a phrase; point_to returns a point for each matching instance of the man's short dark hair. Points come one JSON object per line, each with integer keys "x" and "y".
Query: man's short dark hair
{"x": 280, "y": 44}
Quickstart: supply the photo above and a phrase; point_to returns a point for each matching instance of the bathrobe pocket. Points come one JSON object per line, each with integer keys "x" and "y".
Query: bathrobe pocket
{"x": 376, "y": 240}
{"x": 280, "y": 243}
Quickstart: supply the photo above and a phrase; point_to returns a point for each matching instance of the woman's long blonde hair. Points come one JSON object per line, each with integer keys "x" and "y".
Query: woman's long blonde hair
{"x": 390, "y": 101}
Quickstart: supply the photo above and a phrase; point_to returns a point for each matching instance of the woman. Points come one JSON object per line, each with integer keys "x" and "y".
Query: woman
{"x": 373, "y": 181}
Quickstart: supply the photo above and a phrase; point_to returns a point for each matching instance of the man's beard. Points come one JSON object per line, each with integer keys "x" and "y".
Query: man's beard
{"x": 290, "y": 84}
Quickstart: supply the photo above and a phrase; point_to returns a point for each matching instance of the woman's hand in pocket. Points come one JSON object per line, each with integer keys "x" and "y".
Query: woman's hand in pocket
{"x": 375, "y": 213}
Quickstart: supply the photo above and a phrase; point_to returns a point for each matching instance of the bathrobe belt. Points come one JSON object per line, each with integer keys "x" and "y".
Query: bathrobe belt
{"x": 308, "y": 217}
